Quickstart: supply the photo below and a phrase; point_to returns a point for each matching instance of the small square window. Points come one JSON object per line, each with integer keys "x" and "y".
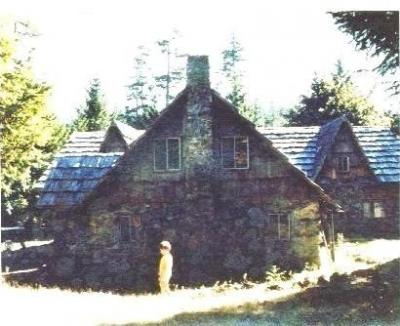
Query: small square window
{"x": 344, "y": 164}
{"x": 235, "y": 152}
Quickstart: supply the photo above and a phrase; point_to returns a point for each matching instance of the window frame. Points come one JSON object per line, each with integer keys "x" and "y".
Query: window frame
{"x": 129, "y": 229}
{"x": 340, "y": 161}
{"x": 167, "y": 154}
{"x": 373, "y": 207}
{"x": 279, "y": 216}
{"x": 234, "y": 153}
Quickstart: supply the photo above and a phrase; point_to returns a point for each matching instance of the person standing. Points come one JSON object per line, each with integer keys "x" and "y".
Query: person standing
{"x": 165, "y": 267}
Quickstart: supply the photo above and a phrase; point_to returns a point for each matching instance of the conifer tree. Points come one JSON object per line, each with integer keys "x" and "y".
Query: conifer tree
{"x": 232, "y": 57}
{"x": 142, "y": 108}
{"x": 174, "y": 70}
{"x": 94, "y": 115}
{"x": 332, "y": 98}
{"x": 30, "y": 134}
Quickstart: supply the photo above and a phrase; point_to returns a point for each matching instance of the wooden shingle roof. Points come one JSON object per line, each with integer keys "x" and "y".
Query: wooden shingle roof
{"x": 307, "y": 147}
{"x": 79, "y": 167}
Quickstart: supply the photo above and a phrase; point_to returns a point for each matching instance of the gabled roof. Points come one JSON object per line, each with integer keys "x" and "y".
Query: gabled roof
{"x": 307, "y": 147}
{"x": 215, "y": 99}
{"x": 130, "y": 134}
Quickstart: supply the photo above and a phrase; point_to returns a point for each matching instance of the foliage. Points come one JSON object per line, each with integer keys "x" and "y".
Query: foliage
{"x": 394, "y": 122}
{"x": 333, "y": 98}
{"x": 275, "y": 277}
{"x": 94, "y": 116}
{"x": 275, "y": 119}
{"x": 232, "y": 57}
{"x": 174, "y": 71}
{"x": 29, "y": 132}
{"x": 141, "y": 95}
{"x": 376, "y": 32}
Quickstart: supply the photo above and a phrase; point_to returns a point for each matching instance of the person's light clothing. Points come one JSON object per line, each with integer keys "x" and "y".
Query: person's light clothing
{"x": 165, "y": 272}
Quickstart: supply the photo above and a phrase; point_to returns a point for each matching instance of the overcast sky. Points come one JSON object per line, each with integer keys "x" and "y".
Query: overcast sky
{"x": 284, "y": 44}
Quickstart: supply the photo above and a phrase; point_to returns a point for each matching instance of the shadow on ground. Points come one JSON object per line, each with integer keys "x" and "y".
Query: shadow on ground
{"x": 366, "y": 297}
{"x": 33, "y": 257}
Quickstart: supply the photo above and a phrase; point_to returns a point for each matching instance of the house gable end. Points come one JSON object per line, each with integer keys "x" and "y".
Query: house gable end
{"x": 344, "y": 158}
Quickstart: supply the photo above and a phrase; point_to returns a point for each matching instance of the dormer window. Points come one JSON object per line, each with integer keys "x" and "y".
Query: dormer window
{"x": 235, "y": 152}
{"x": 344, "y": 164}
{"x": 167, "y": 154}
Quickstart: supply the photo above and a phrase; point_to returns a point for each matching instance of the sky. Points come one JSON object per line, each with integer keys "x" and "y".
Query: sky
{"x": 285, "y": 45}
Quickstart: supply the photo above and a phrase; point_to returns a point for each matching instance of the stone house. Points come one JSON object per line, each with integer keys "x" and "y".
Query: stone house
{"x": 202, "y": 177}
{"x": 231, "y": 198}
{"x": 358, "y": 166}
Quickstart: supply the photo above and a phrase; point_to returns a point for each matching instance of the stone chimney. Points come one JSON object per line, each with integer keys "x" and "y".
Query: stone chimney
{"x": 197, "y": 127}
{"x": 197, "y": 71}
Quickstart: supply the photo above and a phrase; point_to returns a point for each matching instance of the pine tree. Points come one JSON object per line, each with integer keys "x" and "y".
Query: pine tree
{"x": 30, "y": 134}
{"x": 174, "y": 71}
{"x": 142, "y": 108}
{"x": 94, "y": 116}
{"x": 333, "y": 98}
{"x": 376, "y": 32}
{"x": 232, "y": 57}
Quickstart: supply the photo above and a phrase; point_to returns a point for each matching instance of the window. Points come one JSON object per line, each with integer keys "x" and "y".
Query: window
{"x": 167, "y": 154}
{"x": 379, "y": 210}
{"x": 281, "y": 225}
{"x": 125, "y": 229}
{"x": 235, "y": 152}
{"x": 373, "y": 210}
{"x": 344, "y": 164}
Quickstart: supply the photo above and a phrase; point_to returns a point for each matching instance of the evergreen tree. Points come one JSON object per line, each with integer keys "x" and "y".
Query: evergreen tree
{"x": 333, "y": 98}
{"x": 174, "y": 72}
{"x": 94, "y": 116}
{"x": 376, "y": 32}
{"x": 232, "y": 57}
{"x": 142, "y": 108}
{"x": 30, "y": 134}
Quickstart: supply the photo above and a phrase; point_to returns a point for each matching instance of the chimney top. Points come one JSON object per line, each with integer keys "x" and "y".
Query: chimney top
{"x": 197, "y": 71}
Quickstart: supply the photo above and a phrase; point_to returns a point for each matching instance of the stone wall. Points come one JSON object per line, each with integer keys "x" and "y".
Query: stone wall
{"x": 221, "y": 222}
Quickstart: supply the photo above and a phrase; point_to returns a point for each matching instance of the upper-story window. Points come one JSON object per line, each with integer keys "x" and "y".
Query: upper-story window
{"x": 167, "y": 154}
{"x": 235, "y": 152}
{"x": 343, "y": 164}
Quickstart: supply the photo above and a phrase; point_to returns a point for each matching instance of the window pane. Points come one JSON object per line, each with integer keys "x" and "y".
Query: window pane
{"x": 125, "y": 232}
{"x": 241, "y": 152}
{"x": 366, "y": 210}
{"x": 160, "y": 154}
{"x": 274, "y": 225}
{"x": 173, "y": 154}
{"x": 228, "y": 153}
{"x": 343, "y": 164}
{"x": 284, "y": 227}
{"x": 379, "y": 210}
